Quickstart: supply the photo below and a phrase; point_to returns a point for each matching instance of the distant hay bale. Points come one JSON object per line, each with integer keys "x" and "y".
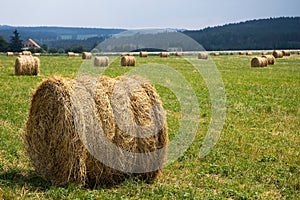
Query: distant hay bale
{"x": 264, "y": 53}
{"x": 164, "y": 54}
{"x": 202, "y": 56}
{"x": 87, "y": 55}
{"x": 76, "y": 55}
{"x": 9, "y": 54}
{"x": 27, "y": 65}
{"x": 62, "y": 110}
{"x": 179, "y": 54}
{"x": 241, "y": 53}
{"x": 128, "y": 61}
{"x": 37, "y": 54}
{"x": 249, "y": 53}
{"x": 101, "y": 61}
{"x": 143, "y": 54}
{"x": 277, "y": 54}
{"x": 271, "y": 59}
{"x": 259, "y": 62}
{"x": 71, "y": 54}
{"x": 298, "y": 53}
{"x": 217, "y": 54}
{"x": 286, "y": 53}
{"x": 26, "y": 53}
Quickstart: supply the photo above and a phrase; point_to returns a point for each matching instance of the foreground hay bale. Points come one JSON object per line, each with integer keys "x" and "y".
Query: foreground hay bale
{"x": 27, "y": 65}
{"x": 278, "y": 54}
{"x": 259, "y": 62}
{"x": 143, "y": 54}
{"x": 286, "y": 53}
{"x": 164, "y": 54}
{"x": 87, "y": 56}
{"x": 128, "y": 61}
{"x": 26, "y": 53}
{"x": 71, "y": 54}
{"x": 9, "y": 54}
{"x": 101, "y": 61}
{"x": 271, "y": 59}
{"x": 202, "y": 55}
{"x": 55, "y": 142}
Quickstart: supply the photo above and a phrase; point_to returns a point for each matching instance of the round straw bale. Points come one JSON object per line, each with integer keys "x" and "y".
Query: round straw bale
{"x": 71, "y": 54}
{"x": 298, "y": 53}
{"x": 264, "y": 53}
{"x": 164, "y": 54}
{"x": 179, "y": 54}
{"x": 202, "y": 55}
{"x": 143, "y": 54}
{"x": 249, "y": 53}
{"x": 60, "y": 152}
{"x": 259, "y": 62}
{"x": 286, "y": 53}
{"x": 27, "y": 65}
{"x": 9, "y": 54}
{"x": 101, "y": 61}
{"x": 37, "y": 54}
{"x": 241, "y": 53}
{"x": 277, "y": 54}
{"x": 87, "y": 55}
{"x": 271, "y": 59}
{"x": 26, "y": 53}
{"x": 128, "y": 61}
{"x": 217, "y": 54}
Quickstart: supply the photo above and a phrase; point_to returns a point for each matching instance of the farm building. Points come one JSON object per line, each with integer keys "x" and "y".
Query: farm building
{"x": 30, "y": 44}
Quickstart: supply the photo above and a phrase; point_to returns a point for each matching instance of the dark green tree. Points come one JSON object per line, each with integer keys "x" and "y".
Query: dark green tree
{"x": 15, "y": 42}
{"x": 3, "y": 45}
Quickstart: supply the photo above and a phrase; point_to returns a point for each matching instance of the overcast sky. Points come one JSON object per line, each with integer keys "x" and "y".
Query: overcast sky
{"x": 132, "y": 14}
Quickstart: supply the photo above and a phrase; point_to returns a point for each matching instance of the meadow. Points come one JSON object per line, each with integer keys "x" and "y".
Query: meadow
{"x": 256, "y": 157}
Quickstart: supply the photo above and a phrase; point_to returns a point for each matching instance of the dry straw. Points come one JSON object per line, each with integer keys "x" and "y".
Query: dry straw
{"x": 27, "y": 65}
{"x": 55, "y": 146}
{"x": 128, "y": 61}
{"x": 271, "y": 59}
{"x": 87, "y": 55}
{"x": 71, "y": 54}
{"x": 143, "y": 54}
{"x": 9, "y": 54}
{"x": 259, "y": 62}
{"x": 179, "y": 54}
{"x": 264, "y": 53}
{"x": 277, "y": 54}
{"x": 202, "y": 55}
{"x": 217, "y": 54}
{"x": 101, "y": 61}
{"x": 164, "y": 54}
{"x": 298, "y": 52}
{"x": 241, "y": 53}
{"x": 286, "y": 53}
{"x": 26, "y": 53}
{"x": 249, "y": 53}
{"x": 37, "y": 54}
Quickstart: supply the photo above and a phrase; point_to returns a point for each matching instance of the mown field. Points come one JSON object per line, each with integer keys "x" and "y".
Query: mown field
{"x": 256, "y": 157}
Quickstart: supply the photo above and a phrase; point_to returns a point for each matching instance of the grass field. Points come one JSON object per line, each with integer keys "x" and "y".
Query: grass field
{"x": 256, "y": 157}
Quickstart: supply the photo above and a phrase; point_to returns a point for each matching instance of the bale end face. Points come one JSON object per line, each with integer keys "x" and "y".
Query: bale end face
{"x": 259, "y": 62}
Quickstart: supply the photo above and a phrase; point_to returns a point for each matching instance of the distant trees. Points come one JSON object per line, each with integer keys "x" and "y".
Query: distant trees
{"x": 15, "y": 42}
{"x": 3, "y": 45}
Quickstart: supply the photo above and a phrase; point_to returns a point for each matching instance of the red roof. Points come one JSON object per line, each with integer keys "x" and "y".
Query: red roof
{"x": 34, "y": 43}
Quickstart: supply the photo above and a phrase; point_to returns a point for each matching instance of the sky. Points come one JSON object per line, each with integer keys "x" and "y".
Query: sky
{"x": 138, "y": 14}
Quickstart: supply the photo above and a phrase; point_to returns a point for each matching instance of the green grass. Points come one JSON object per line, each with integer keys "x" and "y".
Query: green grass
{"x": 256, "y": 157}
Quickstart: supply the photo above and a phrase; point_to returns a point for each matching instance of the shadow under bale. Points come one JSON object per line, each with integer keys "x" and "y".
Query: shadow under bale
{"x": 96, "y": 131}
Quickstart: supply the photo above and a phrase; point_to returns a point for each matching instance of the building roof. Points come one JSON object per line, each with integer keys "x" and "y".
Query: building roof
{"x": 34, "y": 43}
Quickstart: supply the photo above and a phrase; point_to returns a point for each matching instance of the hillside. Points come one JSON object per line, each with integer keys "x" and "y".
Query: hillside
{"x": 273, "y": 33}
{"x": 61, "y": 37}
